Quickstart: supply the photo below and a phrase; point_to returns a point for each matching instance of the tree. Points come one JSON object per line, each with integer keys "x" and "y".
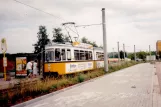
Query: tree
{"x": 42, "y": 39}
{"x": 121, "y": 54}
{"x": 58, "y": 35}
{"x": 94, "y": 44}
{"x": 153, "y": 52}
{"x": 67, "y": 39}
{"x": 142, "y": 55}
{"x": 85, "y": 40}
{"x": 131, "y": 56}
{"x": 125, "y": 54}
{"x": 115, "y": 55}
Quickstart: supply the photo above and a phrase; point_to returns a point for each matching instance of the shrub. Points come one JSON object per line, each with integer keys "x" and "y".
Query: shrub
{"x": 54, "y": 87}
{"x": 80, "y": 78}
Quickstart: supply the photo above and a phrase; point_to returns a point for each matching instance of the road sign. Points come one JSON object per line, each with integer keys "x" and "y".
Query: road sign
{"x": 3, "y": 45}
{"x": 4, "y": 62}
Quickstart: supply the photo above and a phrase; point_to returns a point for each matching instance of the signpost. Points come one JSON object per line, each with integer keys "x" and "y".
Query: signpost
{"x": 4, "y": 49}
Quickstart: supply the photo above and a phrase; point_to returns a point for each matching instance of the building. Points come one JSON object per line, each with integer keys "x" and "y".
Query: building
{"x": 151, "y": 58}
{"x": 158, "y": 46}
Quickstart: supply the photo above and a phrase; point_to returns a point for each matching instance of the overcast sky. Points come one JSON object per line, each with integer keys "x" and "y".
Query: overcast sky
{"x": 128, "y": 21}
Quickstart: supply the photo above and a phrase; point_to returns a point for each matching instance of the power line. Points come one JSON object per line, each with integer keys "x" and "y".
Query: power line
{"x": 70, "y": 23}
{"x": 45, "y": 13}
{"x": 39, "y": 10}
{"x": 55, "y": 17}
{"x": 88, "y": 25}
{"x": 76, "y": 30}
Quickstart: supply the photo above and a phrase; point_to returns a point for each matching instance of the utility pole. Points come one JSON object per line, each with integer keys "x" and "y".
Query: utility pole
{"x": 124, "y": 50}
{"x": 134, "y": 53}
{"x": 104, "y": 40}
{"x": 118, "y": 52}
{"x": 150, "y": 52}
{"x": 113, "y": 52}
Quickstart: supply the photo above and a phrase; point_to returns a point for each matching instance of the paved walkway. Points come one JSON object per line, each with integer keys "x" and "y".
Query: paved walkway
{"x": 136, "y": 86}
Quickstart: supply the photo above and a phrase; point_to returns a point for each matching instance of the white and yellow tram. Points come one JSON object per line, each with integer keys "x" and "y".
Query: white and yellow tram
{"x": 71, "y": 58}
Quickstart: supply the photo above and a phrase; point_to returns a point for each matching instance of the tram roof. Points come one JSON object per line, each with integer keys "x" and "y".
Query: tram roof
{"x": 67, "y": 44}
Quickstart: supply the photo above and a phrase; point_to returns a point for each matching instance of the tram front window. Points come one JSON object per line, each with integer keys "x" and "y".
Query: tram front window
{"x": 57, "y": 55}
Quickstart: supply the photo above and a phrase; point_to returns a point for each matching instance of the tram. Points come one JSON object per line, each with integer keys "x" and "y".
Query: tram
{"x": 73, "y": 57}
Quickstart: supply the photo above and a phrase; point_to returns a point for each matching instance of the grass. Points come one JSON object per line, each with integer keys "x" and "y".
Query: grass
{"x": 31, "y": 90}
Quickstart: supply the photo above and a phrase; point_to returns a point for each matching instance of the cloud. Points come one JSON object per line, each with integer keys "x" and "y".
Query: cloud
{"x": 19, "y": 39}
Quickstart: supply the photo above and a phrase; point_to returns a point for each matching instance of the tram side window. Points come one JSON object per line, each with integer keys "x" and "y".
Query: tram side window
{"x": 46, "y": 57}
{"x": 82, "y": 55}
{"x": 76, "y": 55}
{"x": 63, "y": 54}
{"x": 68, "y": 54}
{"x": 57, "y": 54}
{"x": 49, "y": 56}
{"x": 86, "y": 55}
{"x": 100, "y": 56}
{"x": 90, "y": 55}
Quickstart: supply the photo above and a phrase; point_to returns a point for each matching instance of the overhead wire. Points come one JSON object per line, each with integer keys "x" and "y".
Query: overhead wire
{"x": 68, "y": 34}
{"x": 69, "y": 24}
{"x": 76, "y": 31}
{"x": 39, "y": 10}
{"x": 45, "y": 13}
{"x": 88, "y": 25}
{"x": 56, "y": 17}
{"x": 71, "y": 29}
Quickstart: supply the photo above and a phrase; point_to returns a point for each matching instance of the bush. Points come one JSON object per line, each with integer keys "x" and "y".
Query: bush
{"x": 54, "y": 87}
{"x": 80, "y": 78}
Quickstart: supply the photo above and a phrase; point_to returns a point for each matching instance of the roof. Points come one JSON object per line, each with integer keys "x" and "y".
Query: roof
{"x": 70, "y": 45}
